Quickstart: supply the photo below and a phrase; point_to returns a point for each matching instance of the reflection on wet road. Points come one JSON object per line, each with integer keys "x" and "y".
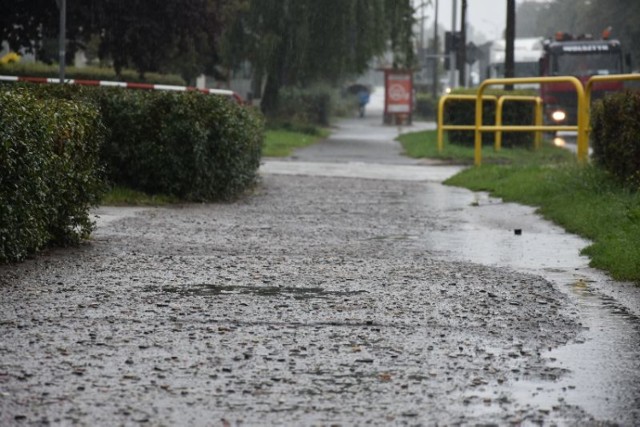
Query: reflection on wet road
{"x": 603, "y": 364}
{"x": 602, "y": 367}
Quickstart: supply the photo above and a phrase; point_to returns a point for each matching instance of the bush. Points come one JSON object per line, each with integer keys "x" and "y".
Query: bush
{"x": 50, "y": 172}
{"x": 615, "y": 136}
{"x": 426, "y": 106}
{"x": 184, "y": 144}
{"x": 87, "y": 73}
{"x": 459, "y": 112}
{"x": 299, "y": 107}
{"x": 192, "y": 146}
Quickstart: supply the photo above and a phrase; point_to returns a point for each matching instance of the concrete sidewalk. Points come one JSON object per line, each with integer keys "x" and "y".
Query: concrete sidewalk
{"x": 350, "y": 288}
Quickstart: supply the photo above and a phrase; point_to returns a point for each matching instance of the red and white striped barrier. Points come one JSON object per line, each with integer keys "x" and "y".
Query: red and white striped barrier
{"x": 128, "y": 85}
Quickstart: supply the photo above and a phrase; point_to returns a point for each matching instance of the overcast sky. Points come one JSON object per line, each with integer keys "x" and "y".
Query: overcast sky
{"x": 485, "y": 16}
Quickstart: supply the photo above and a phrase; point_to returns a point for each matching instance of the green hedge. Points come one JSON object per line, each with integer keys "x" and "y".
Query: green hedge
{"x": 193, "y": 146}
{"x": 426, "y": 106}
{"x": 60, "y": 144}
{"x": 49, "y": 158}
{"x": 87, "y": 73}
{"x": 615, "y": 136}
{"x": 304, "y": 108}
{"x": 185, "y": 144}
{"x": 459, "y": 112}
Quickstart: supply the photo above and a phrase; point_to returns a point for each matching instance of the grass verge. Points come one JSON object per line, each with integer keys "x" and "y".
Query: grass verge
{"x": 582, "y": 199}
{"x": 282, "y": 143}
{"x": 425, "y": 144}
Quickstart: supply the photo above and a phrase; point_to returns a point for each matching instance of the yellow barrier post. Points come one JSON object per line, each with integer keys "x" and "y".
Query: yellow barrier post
{"x": 583, "y": 118}
{"x": 538, "y": 120}
{"x": 537, "y": 117}
{"x": 441, "y": 103}
{"x": 442, "y": 127}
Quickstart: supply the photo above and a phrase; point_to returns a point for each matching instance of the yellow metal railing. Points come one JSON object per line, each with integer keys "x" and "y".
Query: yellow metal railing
{"x": 442, "y": 127}
{"x": 537, "y": 118}
{"x": 581, "y": 127}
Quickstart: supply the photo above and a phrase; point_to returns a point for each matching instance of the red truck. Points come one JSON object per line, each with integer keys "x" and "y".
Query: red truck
{"x": 581, "y": 57}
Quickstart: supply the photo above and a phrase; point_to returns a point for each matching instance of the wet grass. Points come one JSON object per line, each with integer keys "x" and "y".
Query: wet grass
{"x": 425, "y": 145}
{"x": 282, "y": 143}
{"x": 584, "y": 200}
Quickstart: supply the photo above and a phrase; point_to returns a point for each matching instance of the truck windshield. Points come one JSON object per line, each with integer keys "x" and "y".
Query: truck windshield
{"x": 587, "y": 64}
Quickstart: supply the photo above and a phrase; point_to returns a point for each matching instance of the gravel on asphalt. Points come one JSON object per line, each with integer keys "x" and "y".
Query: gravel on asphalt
{"x": 309, "y": 302}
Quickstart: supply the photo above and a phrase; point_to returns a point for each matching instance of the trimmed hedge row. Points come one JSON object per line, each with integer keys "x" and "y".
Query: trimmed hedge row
{"x": 193, "y": 146}
{"x": 459, "y": 112}
{"x": 49, "y": 158}
{"x": 60, "y": 144}
{"x": 185, "y": 144}
{"x": 303, "y": 109}
{"x": 615, "y": 136}
{"x": 426, "y": 106}
{"x": 87, "y": 73}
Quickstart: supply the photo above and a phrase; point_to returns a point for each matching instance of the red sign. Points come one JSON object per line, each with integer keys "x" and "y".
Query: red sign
{"x": 399, "y": 92}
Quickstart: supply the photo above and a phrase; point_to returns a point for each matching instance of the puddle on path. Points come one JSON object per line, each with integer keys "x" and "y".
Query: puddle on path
{"x": 211, "y": 290}
{"x": 598, "y": 372}
{"x": 603, "y": 363}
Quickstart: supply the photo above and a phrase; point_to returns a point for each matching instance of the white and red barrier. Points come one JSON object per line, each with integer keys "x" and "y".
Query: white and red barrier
{"x": 128, "y": 85}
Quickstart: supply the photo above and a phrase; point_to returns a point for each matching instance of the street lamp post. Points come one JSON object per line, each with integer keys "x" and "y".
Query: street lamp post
{"x": 453, "y": 54}
{"x": 462, "y": 47}
{"x": 436, "y": 60}
{"x": 510, "y": 35}
{"x": 422, "y": 50}
{"x": 62, "y": 5}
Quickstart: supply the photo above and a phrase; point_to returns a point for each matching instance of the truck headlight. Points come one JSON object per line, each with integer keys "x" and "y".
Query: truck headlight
{"x": 558, "y": 116}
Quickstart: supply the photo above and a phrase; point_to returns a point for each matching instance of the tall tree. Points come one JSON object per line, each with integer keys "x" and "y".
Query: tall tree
{"x": 400, "y": 31}
{"x": 25, "y": 23}
{"x": 297, "y": 42}
{"x": 527, "y": 18}
{"x": 170, "y": 36}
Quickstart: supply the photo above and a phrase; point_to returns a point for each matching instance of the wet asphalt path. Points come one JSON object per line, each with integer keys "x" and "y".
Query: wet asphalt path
{"x": 330, "y": 296}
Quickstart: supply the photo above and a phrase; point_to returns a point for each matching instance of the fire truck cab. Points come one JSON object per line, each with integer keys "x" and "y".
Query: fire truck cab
{"x": 581, "y": 57}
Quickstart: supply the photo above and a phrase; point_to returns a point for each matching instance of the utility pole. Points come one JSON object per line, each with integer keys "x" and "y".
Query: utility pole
{"x": 462, "y": 47}
{"x": 436, "y": 59}
{"x": 510, "y": 34}
{"x": 422, "y": 18}
{"x": 422, "y": 52}
{"x": 62, "y": 5}
{"x": 453, "y": 53}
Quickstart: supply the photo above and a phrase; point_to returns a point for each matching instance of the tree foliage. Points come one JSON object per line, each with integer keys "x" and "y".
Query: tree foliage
{"x": 169, "y": 36}
{"x": 582, "y": 17}
{"x": 25, "y": 23}
{"x": 287, "y": 42}
{"x": 298, "y": 42}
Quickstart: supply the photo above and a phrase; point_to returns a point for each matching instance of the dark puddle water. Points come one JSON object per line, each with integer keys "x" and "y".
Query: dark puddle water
{"x": 211, "y": 290}
{"x": 602, "y": 366}
{"x": 603, "y": 362}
